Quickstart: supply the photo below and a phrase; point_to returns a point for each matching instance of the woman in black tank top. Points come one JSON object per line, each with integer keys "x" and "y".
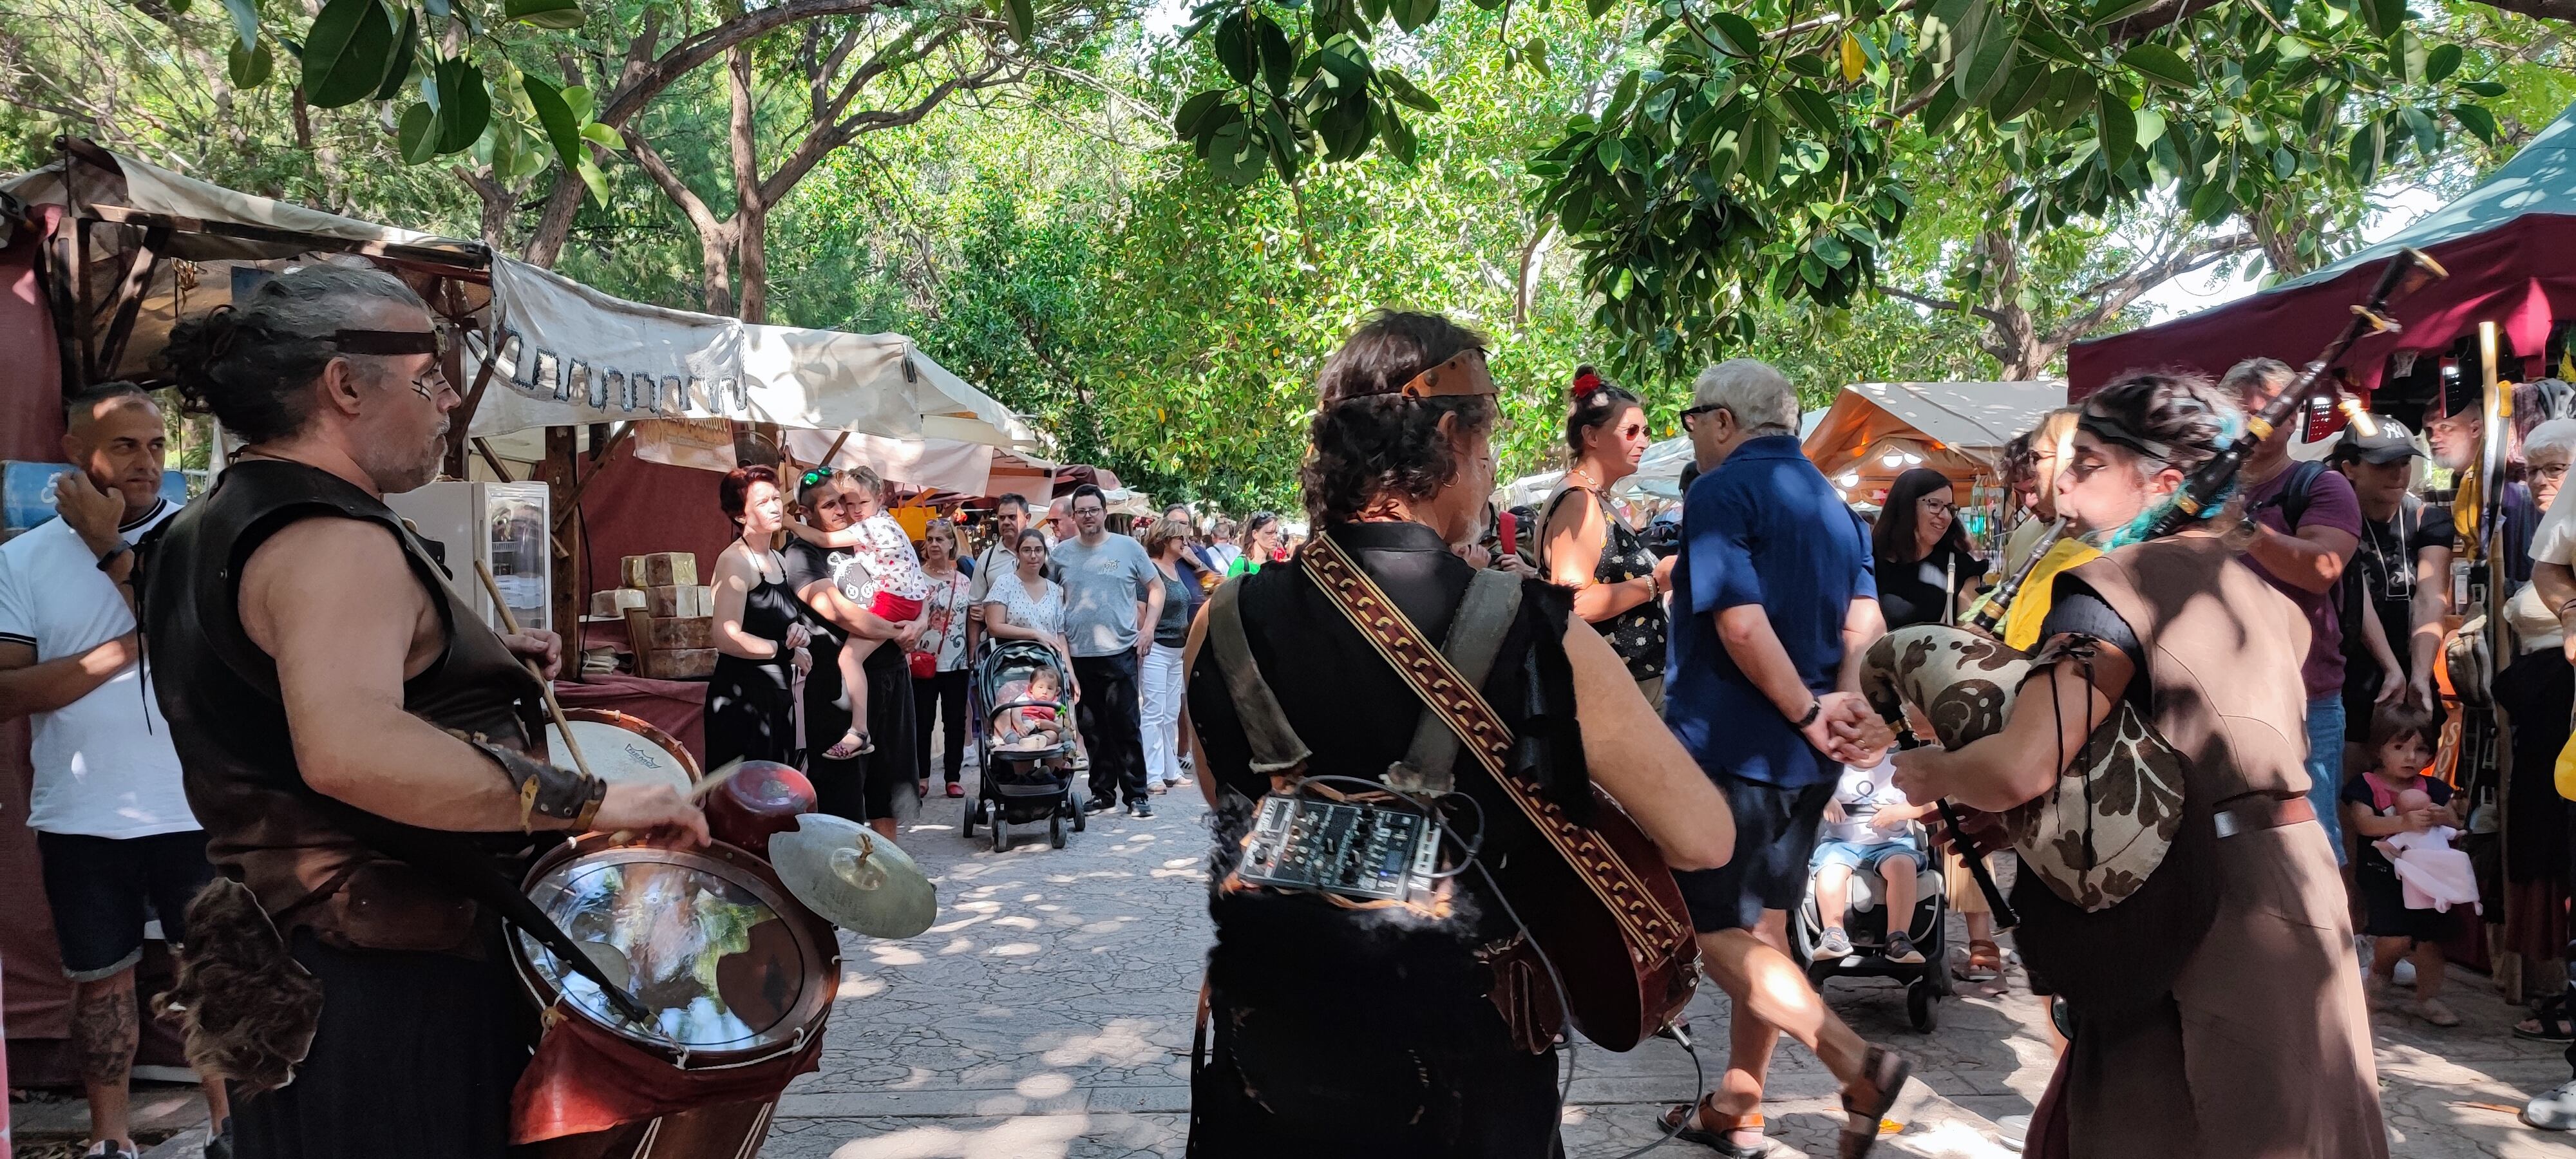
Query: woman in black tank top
{"x": 760, "y": 631}
{"x": 1585, "y": 545}
{"x": 1363, "y": 1032}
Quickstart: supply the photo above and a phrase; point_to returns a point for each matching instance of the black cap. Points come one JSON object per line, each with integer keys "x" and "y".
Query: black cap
{"x": 2393, "y": 444}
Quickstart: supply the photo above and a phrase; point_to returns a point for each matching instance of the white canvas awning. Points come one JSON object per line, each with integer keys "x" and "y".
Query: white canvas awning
{"x": 1877, "y": 430}
{"x": 569, "y": 354}
{"x": 133, "y": 184}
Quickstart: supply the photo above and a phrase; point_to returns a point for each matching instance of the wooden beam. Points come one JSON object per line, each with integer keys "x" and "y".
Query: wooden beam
{"x": 493, "y": 461}
{"x": 461, "y": 419}
{"x": 54, "y": 253}
{"x": 573, "y": 503}
{"x": 562, "y": 473}
{"x": 129, "y": 300}
{"x": 469, "y": 262}
{"x": 76, "y": 266}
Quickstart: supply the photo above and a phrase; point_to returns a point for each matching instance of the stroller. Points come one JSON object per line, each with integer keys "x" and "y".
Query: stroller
{"x": 1927, "y": 981}
{"x": 1030, "y": 750}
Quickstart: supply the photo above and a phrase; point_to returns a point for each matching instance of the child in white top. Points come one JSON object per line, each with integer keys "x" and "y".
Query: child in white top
{"x": 884, "y": 576}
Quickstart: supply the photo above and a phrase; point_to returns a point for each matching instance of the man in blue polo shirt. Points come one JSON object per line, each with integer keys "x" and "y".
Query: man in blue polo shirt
{"x": 1774, "y": 605}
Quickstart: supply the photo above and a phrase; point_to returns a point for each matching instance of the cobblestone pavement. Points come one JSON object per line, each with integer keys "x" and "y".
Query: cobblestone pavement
{"x": 1048, "y": 1016}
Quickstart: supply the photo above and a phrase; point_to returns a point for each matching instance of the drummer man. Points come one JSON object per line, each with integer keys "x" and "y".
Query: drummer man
{"x": 332, "y": 699}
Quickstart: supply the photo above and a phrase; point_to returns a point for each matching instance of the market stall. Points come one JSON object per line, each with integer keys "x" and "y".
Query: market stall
{"x": 2501, "y": 243}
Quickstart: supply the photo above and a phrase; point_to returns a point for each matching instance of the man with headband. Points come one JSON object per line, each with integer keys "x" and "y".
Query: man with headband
{"x": 355, "y": 742}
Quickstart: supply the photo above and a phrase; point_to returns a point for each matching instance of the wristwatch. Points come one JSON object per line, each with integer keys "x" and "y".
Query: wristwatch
{"x": 107, "y": 559}
{"x": 1815, "y": 708}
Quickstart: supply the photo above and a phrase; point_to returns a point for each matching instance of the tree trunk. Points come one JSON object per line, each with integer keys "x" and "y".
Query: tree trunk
{"x": 750, "y": 216}
{"x": 715, "y": 260}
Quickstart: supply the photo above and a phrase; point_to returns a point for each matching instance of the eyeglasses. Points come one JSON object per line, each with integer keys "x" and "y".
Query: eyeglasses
{"x": 2551, "y": 471}
{"x": 1688, "y": 413}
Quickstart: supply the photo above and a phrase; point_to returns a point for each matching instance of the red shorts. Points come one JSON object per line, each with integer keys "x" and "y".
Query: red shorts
{"x": 895, "y": 609}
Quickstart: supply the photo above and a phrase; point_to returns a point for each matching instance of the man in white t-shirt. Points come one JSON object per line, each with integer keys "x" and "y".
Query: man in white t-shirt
{"x": 112, "y": 823}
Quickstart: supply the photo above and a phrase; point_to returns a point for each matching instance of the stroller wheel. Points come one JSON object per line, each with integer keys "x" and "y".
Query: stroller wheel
{"x": 1920, "y": 997}
{"x": 1055, "y": 832}
{"x": 966, "y": 826}
{"x": 1001, "y": 834}
{"x": 1081, "y": 816}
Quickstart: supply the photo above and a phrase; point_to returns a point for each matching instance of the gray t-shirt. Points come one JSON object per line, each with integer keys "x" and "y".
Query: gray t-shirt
{"x": 1102, "y": 586}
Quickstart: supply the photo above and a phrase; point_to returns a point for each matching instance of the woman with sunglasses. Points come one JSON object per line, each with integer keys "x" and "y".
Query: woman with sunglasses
{"x": 1925, "y": 566}
{"x": 1588, "y": 545}
{"x": 1260, "y": 545}
{"x": 2215, "y": 1011}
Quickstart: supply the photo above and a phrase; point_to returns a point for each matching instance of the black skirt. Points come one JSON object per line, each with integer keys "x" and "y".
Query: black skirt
{"x": 414, "y": 1057}
{"x": 750, "y": 713}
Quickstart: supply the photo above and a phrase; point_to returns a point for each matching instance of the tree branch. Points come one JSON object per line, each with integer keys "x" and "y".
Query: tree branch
{"x": 1944, "y": 305}
{"x": 2116, "y": 293}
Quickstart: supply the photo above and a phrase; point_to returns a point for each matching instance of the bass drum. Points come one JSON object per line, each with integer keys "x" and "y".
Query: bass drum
{"x": 622, "y": 748}
{"x": 735, "y": 971}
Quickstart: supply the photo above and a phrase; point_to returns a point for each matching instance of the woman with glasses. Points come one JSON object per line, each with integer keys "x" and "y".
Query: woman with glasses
{"x": 1925, "y": 567}
{"x": 1260, "y": 545}
{"x": 1588, "y": 545}
{"x": 2215, "y": 1010}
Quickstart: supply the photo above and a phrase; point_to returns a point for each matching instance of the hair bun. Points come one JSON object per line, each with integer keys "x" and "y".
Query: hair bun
{"x": 1587, "y": 382}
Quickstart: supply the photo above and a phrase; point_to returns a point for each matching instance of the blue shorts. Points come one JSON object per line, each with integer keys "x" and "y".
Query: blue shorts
{"x": 1862, "y": 858}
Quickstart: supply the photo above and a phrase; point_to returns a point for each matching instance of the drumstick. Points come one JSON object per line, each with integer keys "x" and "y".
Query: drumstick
{"x": 511, "y": 624}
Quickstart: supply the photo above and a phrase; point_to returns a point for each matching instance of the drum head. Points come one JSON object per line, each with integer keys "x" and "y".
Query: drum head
{"x": 622, "y": 748}
{"x": 726, "y": 962}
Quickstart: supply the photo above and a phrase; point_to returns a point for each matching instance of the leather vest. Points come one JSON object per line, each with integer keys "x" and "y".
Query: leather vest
{"x": 265, "y": 826}
{"x": 2220, "y": 654}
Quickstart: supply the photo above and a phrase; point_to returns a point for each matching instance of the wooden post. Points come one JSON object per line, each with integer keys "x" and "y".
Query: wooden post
{"x": 571, "y": 600}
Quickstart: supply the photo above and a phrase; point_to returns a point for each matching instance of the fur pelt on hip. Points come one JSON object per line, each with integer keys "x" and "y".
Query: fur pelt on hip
{"x": 247, "y": 1008}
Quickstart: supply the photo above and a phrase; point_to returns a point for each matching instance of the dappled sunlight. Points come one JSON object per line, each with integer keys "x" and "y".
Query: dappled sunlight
{"x": 1045, "y": 1086}
{"x": 1121, "y": 1043}
{"x": 1029, "y": 1137}
{"x": 896, "y": 956}
{"x": 1016, "y": 923}
{"x": 1016, "y": 950}
{"x": 957, "y": 946}
{"x": 1953, "y": 1139}
{"x": 856, "y": 986}
{"x": 962, "y": 923}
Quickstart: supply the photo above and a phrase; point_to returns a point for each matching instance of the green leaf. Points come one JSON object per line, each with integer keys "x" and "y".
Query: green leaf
{"x": 2151, "y": 126}
{"x": 2440, "y": 63}
{"x": 2112, "y": 11}
{"x": 1762, "y": 155}
{"x": 1812, "y": 109}
{"x": 563, "y": 130}
{"x": 1401, "y": 88}
{"x": 1534, "y": 50}
{"x": 2160, "y": 64}
{"x": 2021, "y": 91}
{"x": 1399, "y": 136}
{"x": 2484, "y": 88}
{"x": 2363, "y": 156}
{"x": 2476, "y": 120}
{"x": 417, "y": 135}
{"x": 602, "y": 136}
{"x": 1832, "y": 249}
{"x": 2383, "y": 16}
{"x": 1988, "y": 42}
{"x": 1185, "y": 123}
{"x": 544, "y": 13}
{"x": 464, "y": 105}
{"x": 1234, "y": 47}
{"x": 2407, "y": 55}
{"x": 1411, "y": 15}
{"x": 1022, "y": 17}
{"x": 1620, "y": 97}
{"x": 245, "y": 14}
{"x": 1236, "y": 154}
{"x": 1276, "y": 61}
{"x": 1610, "y": 153}
{"x": 2116, "y": 127}
{"x": 2212, "y": 203}
{"x": 346, "y": 52}
{"x": 1938, "y": 111}
{"x": 1735, "y": 35}
{"x": 406, "y": 46}
{"x": 1594, "y": 8}
{"x": 1938, "y": 39}
{"x": 251, "y": 69}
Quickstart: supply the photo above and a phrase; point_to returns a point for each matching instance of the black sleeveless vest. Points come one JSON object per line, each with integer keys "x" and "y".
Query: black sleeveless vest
{"x": 265, "y": 826}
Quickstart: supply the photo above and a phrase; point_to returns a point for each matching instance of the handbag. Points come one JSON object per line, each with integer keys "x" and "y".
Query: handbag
{"x": 924, "y": 664}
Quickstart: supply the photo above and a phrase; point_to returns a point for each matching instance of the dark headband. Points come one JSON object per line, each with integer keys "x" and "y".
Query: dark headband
{"x": 2112, "y": 430}
{"x": 385, "y": 342}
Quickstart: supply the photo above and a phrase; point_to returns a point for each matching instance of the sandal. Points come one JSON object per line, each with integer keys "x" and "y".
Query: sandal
{"x": 1985, "y": 962}
{"x": 2549, "y": 1022}
{"x": 2432, "y": 1010}
{"x": 1715, "y": 1129}
{"x": 853, "y": 743}
{"x": 1885, "y": 1071}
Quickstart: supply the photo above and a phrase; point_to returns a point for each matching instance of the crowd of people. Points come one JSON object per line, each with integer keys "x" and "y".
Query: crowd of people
{"x": 2263, "y": 726}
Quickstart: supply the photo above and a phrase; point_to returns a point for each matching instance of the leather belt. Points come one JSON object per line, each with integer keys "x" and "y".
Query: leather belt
{"x": 2249, "y": 813}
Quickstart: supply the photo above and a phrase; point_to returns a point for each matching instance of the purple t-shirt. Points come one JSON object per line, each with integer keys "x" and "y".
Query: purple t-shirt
{"x": 2331, "y": 503}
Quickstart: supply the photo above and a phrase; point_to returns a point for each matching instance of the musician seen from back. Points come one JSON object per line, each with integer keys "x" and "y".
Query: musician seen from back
{"x": 1388, "y": 1031}
{"x": 2216, "y": 1012}
{"x": 2306, "y": 525}
{"x": 350, "y": 733}
{"x": 1773, "y": 607}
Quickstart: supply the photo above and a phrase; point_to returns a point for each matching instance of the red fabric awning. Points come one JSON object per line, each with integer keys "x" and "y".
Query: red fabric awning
{"x": 2512, "y": 275}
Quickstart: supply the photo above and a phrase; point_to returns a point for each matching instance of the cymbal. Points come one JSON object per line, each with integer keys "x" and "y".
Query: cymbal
{"x": 853, "y": 877}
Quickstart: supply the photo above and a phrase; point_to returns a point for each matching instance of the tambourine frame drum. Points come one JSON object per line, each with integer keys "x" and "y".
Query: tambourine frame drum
{"x": 587, "y": 887}
{"x": 615, "y": 765}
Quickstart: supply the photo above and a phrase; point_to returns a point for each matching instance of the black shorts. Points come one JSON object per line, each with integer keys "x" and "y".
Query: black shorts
{"x": 99, "y": 888}
{"x": 2384, "y": 912}
{"x": 1775, "y": 835}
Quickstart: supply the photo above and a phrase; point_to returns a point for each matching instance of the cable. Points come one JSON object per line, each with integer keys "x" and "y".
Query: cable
{"x": 1699, "y": 1075}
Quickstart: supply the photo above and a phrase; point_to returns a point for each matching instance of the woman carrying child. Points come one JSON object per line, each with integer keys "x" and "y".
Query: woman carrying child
{"x": 2395, "y": 797}
{"x": 885, "y": 577}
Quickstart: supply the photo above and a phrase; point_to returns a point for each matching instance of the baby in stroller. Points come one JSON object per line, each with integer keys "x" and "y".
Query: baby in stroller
{"x": 1869, "y": 828}
{"x": 1034, "y": 724}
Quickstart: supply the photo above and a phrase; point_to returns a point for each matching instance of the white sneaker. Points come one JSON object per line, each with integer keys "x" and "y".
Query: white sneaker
{"x": 2404, "y": 974}
{"x": 2554, "y": 1109}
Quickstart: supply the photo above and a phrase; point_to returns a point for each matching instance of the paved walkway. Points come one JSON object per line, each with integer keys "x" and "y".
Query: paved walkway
{"x": 1047, "y": 1016}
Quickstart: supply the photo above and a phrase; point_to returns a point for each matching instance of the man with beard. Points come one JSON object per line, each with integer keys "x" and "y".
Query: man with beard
{"x": 353, "y": 739}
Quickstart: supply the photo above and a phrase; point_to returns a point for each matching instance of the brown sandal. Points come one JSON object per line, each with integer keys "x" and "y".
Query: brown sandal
{"x": 1714, "y": 1129}
{"x": 1985, "y": 962}
{"x": 1885, "y": 1071}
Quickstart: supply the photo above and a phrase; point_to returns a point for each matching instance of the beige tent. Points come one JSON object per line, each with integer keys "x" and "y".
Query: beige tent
{"x": 1876, "y": 431}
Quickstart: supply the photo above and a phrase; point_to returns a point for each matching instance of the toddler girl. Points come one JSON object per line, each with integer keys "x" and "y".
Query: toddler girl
{"x": 884, "y": 576}
{"x": 2395, "y": 797}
